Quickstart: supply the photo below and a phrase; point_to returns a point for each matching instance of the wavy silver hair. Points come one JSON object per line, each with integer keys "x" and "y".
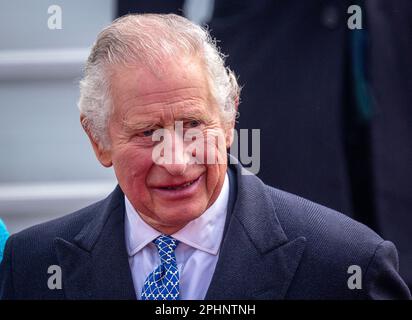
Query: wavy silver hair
{"x": 147, "y": 39}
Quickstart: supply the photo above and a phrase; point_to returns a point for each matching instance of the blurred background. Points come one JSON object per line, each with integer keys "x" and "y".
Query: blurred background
{"x": 47, "y": 167}
{"x": 330, "y": 90}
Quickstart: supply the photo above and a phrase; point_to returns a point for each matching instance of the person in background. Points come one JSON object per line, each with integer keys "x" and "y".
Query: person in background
{"x": 3, "y": 238}
{"x": 337, "y": 96}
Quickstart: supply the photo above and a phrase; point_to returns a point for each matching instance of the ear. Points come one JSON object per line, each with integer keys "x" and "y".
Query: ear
{"x": 231, "y": 126}
{"x": 237, "y": 100}
{"x": 229, "y": 134}
{"x": 103, "y": 155}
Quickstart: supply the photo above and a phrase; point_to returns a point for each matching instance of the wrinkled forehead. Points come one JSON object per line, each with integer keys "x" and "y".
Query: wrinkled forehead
{"x": 177, "y": 85}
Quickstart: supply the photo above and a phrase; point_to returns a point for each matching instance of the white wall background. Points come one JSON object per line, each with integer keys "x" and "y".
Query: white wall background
{"x": 47, "y": 168}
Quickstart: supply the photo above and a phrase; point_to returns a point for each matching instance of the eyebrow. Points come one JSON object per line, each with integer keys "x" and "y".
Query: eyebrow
{"x": 138, "y": 126}
{"x": 148, "y": 124}
{"x": 193, "y": 114}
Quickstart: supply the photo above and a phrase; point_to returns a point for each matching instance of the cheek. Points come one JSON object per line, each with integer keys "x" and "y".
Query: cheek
{"x": 215, "y": 146}
{"x": 214, "y": 175}
{"x": 207, "y": 145}
{"x": 132, "y": 165}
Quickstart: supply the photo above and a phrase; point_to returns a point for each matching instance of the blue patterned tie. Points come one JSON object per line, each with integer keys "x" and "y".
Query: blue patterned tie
{"x": 163, "y": 282}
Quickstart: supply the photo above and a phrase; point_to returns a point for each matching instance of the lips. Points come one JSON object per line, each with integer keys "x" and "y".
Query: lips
{"x": 179, "y": 191}
{"x": 179, "y": 186}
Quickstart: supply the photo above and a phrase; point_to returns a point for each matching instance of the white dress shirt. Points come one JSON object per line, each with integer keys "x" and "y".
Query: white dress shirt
{"x": 196, "y": 254}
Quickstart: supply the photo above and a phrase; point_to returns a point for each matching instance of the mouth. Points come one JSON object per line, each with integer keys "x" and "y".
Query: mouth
{"x": 180, "y": 191}
{"x": 180, "y": 186}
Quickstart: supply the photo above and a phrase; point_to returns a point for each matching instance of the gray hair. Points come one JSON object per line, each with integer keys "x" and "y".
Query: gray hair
{"x": 147, "y": 39}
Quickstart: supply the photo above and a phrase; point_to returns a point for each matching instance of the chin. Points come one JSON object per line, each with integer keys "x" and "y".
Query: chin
{"x": 183, "y": 214}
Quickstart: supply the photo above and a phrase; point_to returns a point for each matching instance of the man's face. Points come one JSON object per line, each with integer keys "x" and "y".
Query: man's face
{"x": 144, "y": 102}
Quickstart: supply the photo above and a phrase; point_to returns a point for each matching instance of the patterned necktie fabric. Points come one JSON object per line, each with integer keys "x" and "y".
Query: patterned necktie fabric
{"x": 163, "y": 282}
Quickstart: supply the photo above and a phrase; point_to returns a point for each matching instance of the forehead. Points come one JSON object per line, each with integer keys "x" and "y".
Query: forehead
{"x": 177, "y": 88}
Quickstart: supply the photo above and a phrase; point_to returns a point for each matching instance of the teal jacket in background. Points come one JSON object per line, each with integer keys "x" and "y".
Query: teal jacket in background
{"x": 3, "y": 237}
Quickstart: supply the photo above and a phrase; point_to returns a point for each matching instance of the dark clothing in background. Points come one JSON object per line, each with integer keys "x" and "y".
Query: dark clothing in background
{"x": 291, "y": 64}
{"x": 149, "y": 6}
{"x": 390, "y": 24}
{"x": 295, "y": 61}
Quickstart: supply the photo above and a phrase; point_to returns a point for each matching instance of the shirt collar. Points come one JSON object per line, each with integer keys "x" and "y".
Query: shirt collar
{"x": 204, "y": 233}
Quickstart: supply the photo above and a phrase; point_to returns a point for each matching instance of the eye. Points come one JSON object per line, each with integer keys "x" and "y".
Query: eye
{"x": 147, "y": 133}
{"x": 193, "y": 123}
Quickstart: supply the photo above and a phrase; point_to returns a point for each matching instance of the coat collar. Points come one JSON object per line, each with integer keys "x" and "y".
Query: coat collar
{"x": 256, "y": 259}
{"x": 95, "y": 265}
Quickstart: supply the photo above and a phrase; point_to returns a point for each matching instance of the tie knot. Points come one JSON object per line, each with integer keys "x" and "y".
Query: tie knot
{"x": 166, "y": 246}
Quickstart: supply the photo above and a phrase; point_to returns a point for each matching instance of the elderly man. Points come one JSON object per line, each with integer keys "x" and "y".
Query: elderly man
{"x": 185, "y": 222}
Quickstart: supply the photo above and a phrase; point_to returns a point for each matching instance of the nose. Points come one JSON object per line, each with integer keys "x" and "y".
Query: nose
{"x": 179, "y": 160}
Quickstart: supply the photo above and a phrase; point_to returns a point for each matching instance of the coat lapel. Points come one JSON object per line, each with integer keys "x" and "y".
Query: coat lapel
{"x": 256, "y": 260}
{"x": 95, "y": 265}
